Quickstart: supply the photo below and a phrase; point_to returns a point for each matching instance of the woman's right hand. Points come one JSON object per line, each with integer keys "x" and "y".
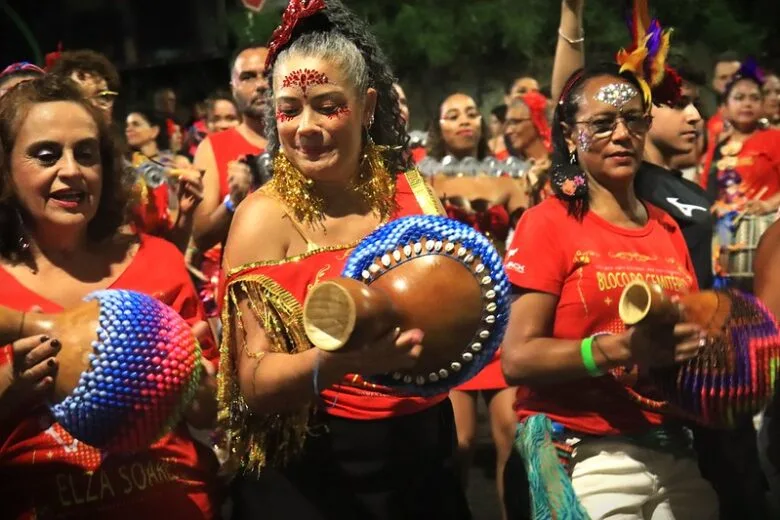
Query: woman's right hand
{"x": 391, "y": 352}
{"x": 655, "y": 346}
{"x": 30, "y": 376}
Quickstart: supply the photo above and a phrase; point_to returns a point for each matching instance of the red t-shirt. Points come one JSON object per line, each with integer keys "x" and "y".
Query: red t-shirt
{"x": 45, "y": 473}
{"x": 587, "y": 264}
{"x": 229, "y": 145}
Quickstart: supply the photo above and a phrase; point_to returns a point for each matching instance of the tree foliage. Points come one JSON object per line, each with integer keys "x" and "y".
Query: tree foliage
{"x": 438, "y": 46}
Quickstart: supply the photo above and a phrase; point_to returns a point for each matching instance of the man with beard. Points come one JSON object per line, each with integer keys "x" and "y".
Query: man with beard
{"x": 227, "y": 179}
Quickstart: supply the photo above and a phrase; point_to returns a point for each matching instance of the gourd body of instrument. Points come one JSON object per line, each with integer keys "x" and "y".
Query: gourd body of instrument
{"x": 424, "y": 272}
{"x": 128, "y": 367}
{"x": 734, "y": 374}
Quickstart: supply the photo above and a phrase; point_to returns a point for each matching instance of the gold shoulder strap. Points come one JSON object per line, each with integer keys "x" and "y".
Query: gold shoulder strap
{"x": 430, "y": 203}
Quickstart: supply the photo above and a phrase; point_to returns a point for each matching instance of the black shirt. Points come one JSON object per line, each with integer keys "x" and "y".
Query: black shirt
{"x": 687, "y": 203}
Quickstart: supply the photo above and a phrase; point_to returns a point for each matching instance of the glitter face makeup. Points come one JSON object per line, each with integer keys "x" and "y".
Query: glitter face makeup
{"x": 584, "y": 139}
{"x": 616, "y": 94}
{"x": 304, "y": 79}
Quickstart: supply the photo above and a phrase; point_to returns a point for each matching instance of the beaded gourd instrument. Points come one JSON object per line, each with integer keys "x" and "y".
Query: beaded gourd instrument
{"x": 432, "y": 273}
{"x": 734, "y": 374}
{"x": 129, "y": 365}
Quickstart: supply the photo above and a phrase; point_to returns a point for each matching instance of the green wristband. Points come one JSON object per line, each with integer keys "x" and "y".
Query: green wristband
{"x": 586, "y": 350}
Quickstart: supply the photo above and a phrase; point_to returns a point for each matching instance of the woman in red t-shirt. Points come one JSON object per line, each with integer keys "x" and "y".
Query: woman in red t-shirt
{"x": 61, "y": 238}
{"x": 569, "y": 260}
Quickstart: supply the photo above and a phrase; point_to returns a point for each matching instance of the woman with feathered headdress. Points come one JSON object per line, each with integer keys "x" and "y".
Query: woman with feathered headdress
{"x": 593, "y": 444}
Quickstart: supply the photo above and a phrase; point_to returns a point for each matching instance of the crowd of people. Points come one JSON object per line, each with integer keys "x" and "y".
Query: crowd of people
{"x": 233, "y": 216}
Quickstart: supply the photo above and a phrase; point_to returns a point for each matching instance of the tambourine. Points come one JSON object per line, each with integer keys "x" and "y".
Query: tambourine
{"x": 425, "y": 272}
{"x": 128, "y": 367}
{"x": 734, "y": 375}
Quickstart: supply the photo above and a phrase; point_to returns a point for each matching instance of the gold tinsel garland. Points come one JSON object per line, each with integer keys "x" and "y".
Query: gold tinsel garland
{"x": 251, "y": 440}
{"x": 374, "y": 184}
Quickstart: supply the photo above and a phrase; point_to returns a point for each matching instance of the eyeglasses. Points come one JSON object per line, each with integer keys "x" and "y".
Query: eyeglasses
{"x": 105, "y": 98}
{"x": 602, "y": 127}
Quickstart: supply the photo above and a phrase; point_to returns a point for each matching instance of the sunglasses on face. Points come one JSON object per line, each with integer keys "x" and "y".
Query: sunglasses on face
{"x": 602, "y": 127}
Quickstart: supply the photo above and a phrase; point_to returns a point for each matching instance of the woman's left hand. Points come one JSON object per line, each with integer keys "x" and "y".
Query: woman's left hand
{"x": 202, "y": 411}
{"x": 189, "y": 189}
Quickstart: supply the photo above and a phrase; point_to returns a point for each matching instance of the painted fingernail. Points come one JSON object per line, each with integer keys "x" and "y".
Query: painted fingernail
{"x": 44, "y": 339}
{"x": 55, "y": 343}
{"x": 51, "y": 362}
{"x": 702, "y": 342}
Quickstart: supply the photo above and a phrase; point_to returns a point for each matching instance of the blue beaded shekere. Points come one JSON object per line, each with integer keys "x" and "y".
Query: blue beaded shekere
{"x": 407, "y": 238}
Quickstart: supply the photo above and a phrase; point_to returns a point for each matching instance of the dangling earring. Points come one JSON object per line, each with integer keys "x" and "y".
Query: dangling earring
{"x": 569, "y": 180}
{"x": 23, "y": 243}
{"x": 297, "y": 191}
{"x": 374, "y": 183}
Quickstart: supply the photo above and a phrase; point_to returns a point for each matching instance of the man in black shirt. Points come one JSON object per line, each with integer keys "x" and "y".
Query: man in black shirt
{"x": 728, "y": 459}
{"x": 674, "y": 133}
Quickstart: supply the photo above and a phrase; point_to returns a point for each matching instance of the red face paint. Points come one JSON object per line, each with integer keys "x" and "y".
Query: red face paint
{"x": 282, "y": 117}
{"x": 339, "y": 112}
{"x": 304, "y": 78}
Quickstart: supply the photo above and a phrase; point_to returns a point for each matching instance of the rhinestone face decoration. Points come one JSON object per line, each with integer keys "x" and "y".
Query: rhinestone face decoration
{"x": 423, "y": 235}
{"x": 616, "y": 94}
{"x": 143, "y": 371}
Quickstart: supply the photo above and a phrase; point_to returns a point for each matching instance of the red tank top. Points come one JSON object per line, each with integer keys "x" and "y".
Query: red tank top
{"x": 229, "y": 145}
{"x": 289, "y": 280}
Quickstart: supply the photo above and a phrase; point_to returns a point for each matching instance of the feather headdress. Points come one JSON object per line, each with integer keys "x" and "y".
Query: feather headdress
{"x": 646, "y": 57}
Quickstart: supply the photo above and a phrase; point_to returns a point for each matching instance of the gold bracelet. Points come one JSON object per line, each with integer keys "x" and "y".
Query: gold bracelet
{"x": 570, "y": 40}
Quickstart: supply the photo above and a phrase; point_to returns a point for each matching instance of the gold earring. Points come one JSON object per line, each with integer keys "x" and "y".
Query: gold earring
{"x": 297, "y": 191}
{"x": 374, "y": 183}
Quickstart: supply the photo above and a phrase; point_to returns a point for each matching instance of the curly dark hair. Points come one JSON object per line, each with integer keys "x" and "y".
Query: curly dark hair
{"x": 90, "y": 62}
{"x": 388, "y": 128}
{"x": 566, "y": 112}
{"x": 436, "y": 146}
{"x": 14, "y": 108}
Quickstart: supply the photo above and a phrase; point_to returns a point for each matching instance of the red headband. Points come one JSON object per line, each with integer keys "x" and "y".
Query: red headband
{"x": 296, "y": 10}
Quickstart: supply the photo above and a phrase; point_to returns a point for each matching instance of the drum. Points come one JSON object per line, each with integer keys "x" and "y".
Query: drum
{"x": 734, "y": 247}
{"x": 425, "y": 272}
{"x": 734, "y": 374}
{"x": 128, "y": 367}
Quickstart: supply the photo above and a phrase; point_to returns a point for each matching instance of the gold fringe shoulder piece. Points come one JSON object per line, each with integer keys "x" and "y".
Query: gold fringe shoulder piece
{"x": 429, "y": 203}
{"x": 254, "y": 441}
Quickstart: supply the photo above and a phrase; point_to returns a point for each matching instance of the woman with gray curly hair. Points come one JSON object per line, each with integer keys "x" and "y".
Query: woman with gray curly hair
{"x": 324, "y": 442}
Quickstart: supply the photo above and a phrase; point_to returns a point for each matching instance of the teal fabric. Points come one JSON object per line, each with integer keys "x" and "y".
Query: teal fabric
{"x": 552, "y": 495}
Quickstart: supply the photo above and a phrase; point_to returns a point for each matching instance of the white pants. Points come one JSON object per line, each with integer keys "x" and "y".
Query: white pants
{"x": 622, "y": 481}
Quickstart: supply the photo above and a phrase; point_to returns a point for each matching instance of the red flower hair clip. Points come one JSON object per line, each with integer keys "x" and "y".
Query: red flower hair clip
{"x": 296, "y": 10}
